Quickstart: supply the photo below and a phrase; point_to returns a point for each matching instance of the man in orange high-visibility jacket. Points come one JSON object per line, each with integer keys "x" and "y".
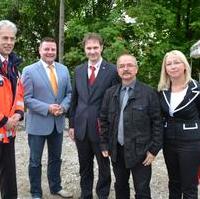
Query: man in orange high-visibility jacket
{"x": 11, "y": 108}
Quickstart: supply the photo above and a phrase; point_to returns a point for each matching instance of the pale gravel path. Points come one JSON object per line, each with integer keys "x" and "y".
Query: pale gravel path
{"x": 70, "y": 175}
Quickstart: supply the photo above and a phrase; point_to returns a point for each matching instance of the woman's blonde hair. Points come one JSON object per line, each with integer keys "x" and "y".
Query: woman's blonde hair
{"x": 164, "y": 83}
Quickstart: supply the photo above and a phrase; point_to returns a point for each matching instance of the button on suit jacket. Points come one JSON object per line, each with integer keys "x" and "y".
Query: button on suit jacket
{"x": 38, "y": 94}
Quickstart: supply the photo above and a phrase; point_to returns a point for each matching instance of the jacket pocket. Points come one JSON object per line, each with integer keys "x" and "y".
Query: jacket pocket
{"x": 140, "y": 118}
{"x": 139, "y": 107}
{"x": 190, "y": 126}
{"x": 191, "y": 131}
{"x": 139, "y": 111}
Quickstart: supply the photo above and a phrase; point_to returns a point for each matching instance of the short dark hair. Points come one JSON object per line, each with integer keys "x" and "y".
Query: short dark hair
{"x": 47, "y": 39}
{"x": 92, "y": 36}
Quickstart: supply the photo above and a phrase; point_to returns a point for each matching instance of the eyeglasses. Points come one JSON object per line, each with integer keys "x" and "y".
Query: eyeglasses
{"x": 173, "y": 63}
{"x": 122, "y": 66}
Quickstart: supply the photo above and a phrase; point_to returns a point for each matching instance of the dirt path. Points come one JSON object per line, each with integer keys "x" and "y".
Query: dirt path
{"x": 70, "y": 175}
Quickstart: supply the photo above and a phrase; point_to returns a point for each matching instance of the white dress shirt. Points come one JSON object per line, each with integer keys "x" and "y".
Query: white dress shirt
{"x": 97, "y": 67}
{"x": 47, "y": 69}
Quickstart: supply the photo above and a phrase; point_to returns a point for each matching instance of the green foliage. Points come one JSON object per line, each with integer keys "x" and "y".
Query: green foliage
{"x": 76, "y": 28}
{"x": 159, "y": 26}
{"x": 74, "y": 57}
{"x": 149, "y": 38}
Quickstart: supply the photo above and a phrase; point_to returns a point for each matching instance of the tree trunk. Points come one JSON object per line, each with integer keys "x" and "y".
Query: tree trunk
{"x": 188, "y": 32}
{"x": 61, "y": 32}
{"x": 178, "y": 15}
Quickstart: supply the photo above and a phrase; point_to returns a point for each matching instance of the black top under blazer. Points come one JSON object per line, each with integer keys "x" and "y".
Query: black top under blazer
{"x": 184, "y": 125}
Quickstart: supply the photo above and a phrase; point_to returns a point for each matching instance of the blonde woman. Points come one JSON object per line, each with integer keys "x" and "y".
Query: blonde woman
{"x": 180, "y": 104}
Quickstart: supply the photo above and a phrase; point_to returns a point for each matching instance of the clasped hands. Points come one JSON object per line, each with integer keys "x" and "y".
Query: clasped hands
{"x": 13, "y": 121}
{"x": 56, "y": 109}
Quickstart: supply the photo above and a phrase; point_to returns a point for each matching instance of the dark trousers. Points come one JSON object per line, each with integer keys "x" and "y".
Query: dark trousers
{"x": 86, "y": 152}
{"x": 36, "y": 144}
{"x": 141, "y": 178}
{"x": 182, "y": 160}
{"x": 8, "y": 184}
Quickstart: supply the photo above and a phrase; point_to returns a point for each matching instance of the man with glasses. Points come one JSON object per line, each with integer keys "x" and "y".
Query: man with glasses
{"x": 131, "y": 130}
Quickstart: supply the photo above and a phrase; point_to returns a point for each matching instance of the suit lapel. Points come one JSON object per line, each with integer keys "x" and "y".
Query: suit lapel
{"x": 191, "y": 94}
{"x": 167, "y": 94}
{"x": 83, "y": 78}
{"x": 103, "y": 71}
{"x": 101, "y": 74}
{"x": 44, "y": 76}
{"x": 136, "y": 92}
{"x": 59, "y": 74}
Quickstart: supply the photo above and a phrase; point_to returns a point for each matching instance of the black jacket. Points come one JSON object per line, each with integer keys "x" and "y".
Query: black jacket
{"x": 86, "y": 101}
{"x": 142, "y": 123}
{"x": 185, "y": 123}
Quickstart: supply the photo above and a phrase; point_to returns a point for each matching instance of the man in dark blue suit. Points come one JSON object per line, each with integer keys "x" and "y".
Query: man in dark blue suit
{"x": 91, "y": 79}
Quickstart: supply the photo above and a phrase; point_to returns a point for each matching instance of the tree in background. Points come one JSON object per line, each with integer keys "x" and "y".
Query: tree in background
{"x": 35, "y": 20}
{"x": 146, "y": 28}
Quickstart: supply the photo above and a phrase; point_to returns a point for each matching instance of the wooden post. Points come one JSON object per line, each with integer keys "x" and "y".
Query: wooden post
{"x": 61, "y": 31}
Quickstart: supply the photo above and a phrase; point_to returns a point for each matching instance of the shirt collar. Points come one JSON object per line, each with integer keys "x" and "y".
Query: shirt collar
{"x": 131, "y": 85}
{"x": 97, "y": 65}
{"x": 45, "y": 64}
{"x": 3, "y": 58}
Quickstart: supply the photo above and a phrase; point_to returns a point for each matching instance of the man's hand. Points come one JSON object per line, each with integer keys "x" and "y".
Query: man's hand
{"x": 149, "y": 159}
{"x": 56, "y": 109}
{"x": 13, "y": 121}
{"x": 105, "y": 154}
{"x": 71, "y": 133}
{"x": 11, "y": 124}
{"x": 60, "y": 111}
{"x": 16, "y": 117}
{"x": 53, "y": 108}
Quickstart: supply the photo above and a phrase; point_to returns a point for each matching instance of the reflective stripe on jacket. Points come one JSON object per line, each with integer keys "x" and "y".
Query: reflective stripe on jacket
{"x": 9, "y": 104}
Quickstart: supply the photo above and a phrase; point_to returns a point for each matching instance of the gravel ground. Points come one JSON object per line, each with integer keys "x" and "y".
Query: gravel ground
{"x": 70, "y": 175}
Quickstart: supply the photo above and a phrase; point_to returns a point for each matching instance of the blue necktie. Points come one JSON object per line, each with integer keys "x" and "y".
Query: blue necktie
{"x": 120, "y": 136}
